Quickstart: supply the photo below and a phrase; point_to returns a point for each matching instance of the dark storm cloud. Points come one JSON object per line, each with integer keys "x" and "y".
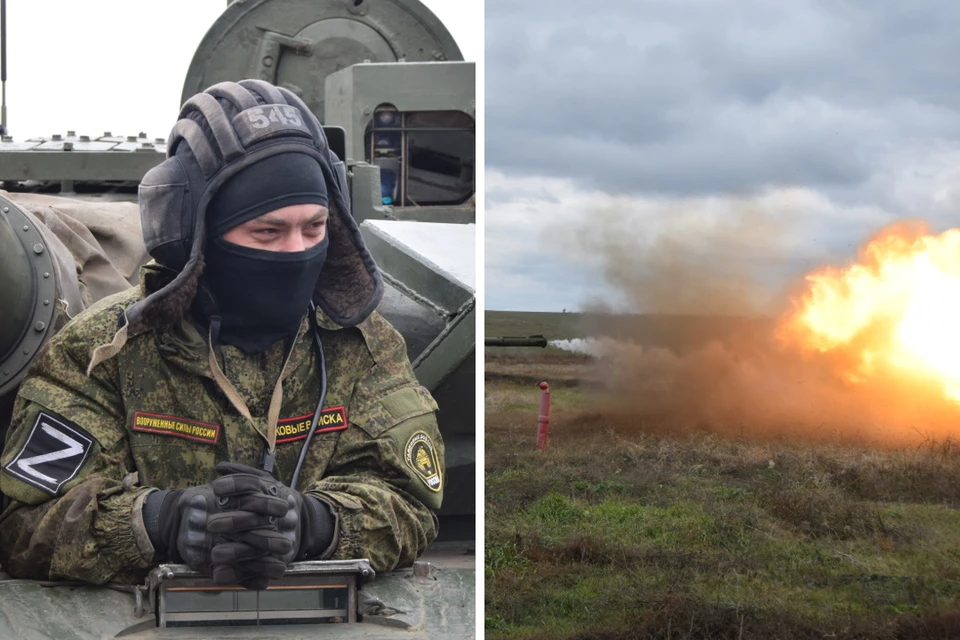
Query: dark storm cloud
{"x": 698, "y": 96}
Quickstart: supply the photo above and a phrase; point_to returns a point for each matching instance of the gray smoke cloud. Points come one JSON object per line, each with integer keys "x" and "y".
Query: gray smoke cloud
{"x": 701, "y": 359}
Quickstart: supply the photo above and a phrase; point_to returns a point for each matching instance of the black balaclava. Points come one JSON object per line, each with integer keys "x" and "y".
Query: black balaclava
{"x": 251, "y": 298}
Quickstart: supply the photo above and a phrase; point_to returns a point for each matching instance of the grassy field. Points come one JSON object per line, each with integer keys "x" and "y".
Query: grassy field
{"x": 620, "y": 531}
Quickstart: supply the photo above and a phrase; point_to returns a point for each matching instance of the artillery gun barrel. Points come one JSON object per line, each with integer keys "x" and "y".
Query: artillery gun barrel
{"x": 508, "y": 341}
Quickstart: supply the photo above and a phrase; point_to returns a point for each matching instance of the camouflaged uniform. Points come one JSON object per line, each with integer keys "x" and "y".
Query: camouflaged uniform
{"x": 126, "y": 398}
{"x": 155, "y": 418}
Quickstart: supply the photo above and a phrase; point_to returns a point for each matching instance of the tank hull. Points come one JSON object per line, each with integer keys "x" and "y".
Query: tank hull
{"x": 434, "y": 600}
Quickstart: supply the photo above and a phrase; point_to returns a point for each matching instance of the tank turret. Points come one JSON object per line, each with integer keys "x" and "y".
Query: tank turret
{"x": 16, "y": 289}
{"x": 398, "y": 106}
{"x": 297, "y": 44}
{"x": 30, "y": 286}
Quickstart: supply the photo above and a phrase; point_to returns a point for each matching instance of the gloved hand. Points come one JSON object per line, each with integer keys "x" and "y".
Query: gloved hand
{"x": 302, "y": 529}
{"x": 177, "y": 522}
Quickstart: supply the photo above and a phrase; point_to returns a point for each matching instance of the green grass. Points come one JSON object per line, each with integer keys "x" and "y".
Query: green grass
{"x": 614, "y": 533}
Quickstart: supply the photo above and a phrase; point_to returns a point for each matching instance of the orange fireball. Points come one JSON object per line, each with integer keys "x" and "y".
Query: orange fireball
{"x": 895, "y": 311}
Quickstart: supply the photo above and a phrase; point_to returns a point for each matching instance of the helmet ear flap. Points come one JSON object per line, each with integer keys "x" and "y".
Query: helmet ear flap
{"x": 166, "y": 212}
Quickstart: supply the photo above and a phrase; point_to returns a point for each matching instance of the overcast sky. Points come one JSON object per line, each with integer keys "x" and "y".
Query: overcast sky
{"x": 119, "y": 65}
{"x": 612, "y": 130}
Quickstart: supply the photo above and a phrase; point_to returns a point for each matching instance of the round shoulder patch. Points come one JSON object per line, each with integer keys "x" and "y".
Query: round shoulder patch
{"x": 421, "y": 456}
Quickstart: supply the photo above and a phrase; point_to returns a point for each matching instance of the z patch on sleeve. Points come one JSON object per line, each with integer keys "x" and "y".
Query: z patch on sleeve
{"x": 53, "y": 454}
{"x": 421, "y": 456}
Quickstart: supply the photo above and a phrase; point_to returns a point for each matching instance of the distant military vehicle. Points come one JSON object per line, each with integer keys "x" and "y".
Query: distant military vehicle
{"x": 516, "y": 341}
{"x": 398, "y": 104}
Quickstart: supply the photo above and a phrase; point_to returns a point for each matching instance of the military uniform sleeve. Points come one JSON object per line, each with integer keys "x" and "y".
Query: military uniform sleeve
{"x": 63, "y": 467}
{"x": 386, "y": 474}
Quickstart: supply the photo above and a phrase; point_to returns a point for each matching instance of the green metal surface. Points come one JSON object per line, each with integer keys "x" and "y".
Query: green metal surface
{"x": 32, "y": 288}
{"x": 415, "y": 273}
{"x": 435, "y": 105}
{"x": 297, "y": 43}
{"x": 435, "y": 599}
{"x": 451, "y": 349}
{"x": 367, "y": 204}
{"x": 431, "y": 265}
{"x": 354, "y": 93}
{"x": 16, "y": 287}
{"x": 80, "y": 158}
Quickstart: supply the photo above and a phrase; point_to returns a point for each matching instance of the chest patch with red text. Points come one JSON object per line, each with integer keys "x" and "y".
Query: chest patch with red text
{"x": 174, "y": 426}
{"x": 292, "y": 429}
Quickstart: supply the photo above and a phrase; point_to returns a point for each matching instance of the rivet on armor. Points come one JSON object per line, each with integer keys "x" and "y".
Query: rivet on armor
{"x": 38, "y": 248}
{"x": 39, "y": 326}
{"x": 46, "y": 303}
{"x": 46, "y": 274}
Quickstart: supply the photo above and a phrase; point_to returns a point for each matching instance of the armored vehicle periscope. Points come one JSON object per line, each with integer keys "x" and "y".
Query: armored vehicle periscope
{"x": 398, "y": 104}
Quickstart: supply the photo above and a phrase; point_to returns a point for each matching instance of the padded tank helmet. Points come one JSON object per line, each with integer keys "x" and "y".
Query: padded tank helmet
{"x": 219, "y": 132}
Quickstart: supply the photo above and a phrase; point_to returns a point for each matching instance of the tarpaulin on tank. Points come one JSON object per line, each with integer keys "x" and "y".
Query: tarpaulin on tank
{"x": 103, "y": 238}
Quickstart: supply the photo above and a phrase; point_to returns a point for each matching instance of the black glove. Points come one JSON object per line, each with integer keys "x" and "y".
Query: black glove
{"x": 177, "y": 522}
{"x": 307, "y": 522}
{"x": 249, "y": 557}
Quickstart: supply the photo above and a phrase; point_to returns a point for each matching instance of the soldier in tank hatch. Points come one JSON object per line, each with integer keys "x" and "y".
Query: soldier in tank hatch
{"x": 243, "y": 408}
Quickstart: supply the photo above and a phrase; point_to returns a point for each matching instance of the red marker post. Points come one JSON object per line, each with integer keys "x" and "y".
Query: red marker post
{"x": 543, "y": 421}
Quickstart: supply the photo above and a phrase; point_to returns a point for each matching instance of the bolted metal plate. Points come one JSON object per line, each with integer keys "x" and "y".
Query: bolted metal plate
{"x": 14, "y": 364}
{"x": 296, "y": 44}
{"x": 17, "y": 286}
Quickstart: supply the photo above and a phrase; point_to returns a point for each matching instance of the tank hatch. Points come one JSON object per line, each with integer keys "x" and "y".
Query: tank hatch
{"x": 296, "y": 44}
{"x": 28, "y": 288}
